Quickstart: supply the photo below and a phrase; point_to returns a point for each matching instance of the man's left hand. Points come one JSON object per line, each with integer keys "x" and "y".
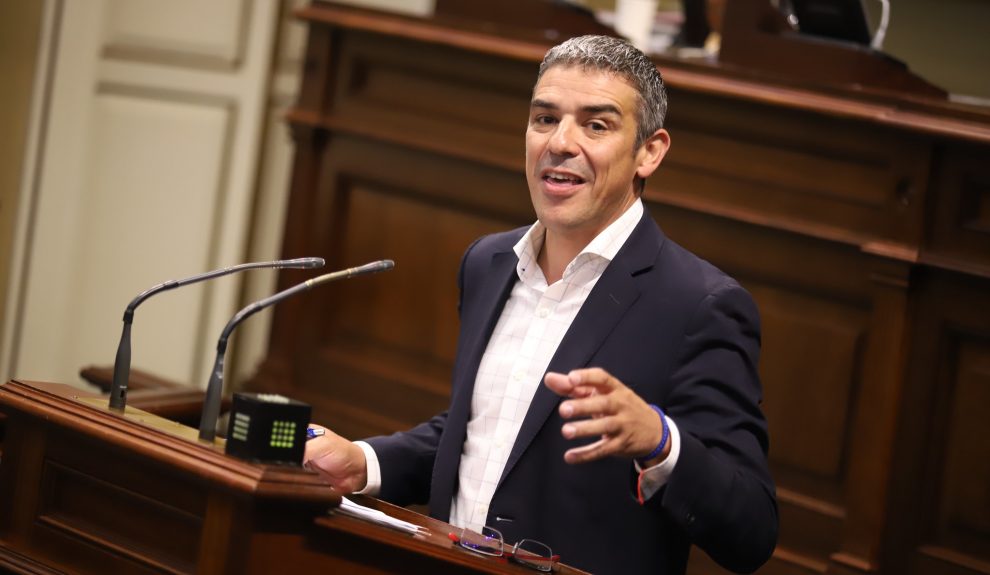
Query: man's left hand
{"x": 600, "y": 405}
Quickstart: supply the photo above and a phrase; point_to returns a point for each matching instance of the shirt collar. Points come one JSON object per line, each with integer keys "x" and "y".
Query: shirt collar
{"x": 605, "y": 245}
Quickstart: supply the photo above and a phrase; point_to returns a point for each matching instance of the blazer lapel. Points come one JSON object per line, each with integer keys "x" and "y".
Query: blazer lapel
{"x": 607, "y": 304}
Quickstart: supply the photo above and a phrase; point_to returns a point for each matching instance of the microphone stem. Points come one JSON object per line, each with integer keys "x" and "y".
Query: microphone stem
{"x": 214, "y": 389}
{"x": 122, "y": 362}
{"x": 121, "y": 369}
{"x": 212, "y": 401}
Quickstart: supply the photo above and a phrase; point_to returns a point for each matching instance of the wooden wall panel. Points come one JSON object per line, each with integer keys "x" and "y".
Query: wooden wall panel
{"x": 961, "y": 230}
{"x": 942, "y": 517}
{"x": 814, "y": 299}
{"x": 795, "y": 168}
{"x": 833, "y": 207}
{"x": 456, "y": 103}
{"x": 963, "y": 521}
{"x": 72, "y": 502}
{"x": 74, "y": 511}
{"x": 815, "y": 411}
{"x": 810, "y": 413}
{"x": 87, "y": 490}
{"x": 947, "y": 513}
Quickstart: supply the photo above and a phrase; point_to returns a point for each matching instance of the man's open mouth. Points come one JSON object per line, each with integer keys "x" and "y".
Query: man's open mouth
{"x": 555, "y": 178}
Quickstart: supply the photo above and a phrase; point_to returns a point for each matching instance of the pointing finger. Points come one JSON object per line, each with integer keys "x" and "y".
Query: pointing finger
{"x": 594, "y": 377}
{"x": 558, "y": 383}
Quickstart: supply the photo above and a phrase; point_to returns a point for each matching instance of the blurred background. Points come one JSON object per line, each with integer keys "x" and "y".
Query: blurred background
{"x": 149, "y": 140}
{"x": 145, "y": 142}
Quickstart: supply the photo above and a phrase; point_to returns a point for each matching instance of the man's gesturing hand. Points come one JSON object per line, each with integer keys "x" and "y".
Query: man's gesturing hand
{"x": 341, "y": 463}
{"x": 627, "y": 425}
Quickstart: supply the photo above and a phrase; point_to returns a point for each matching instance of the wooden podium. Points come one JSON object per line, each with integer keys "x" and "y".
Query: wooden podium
{"x": 87, "y": 490}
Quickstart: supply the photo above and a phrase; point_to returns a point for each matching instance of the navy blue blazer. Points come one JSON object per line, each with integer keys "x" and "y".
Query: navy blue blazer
{"x": 684, "y": 336}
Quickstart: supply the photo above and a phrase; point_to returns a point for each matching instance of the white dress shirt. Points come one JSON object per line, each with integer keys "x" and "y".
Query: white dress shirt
{"x": 531, "y": 327}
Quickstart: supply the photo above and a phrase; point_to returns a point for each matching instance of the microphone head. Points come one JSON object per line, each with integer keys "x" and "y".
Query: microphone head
{"x": 303, "y": 263}
{"x": 374, "y": 267}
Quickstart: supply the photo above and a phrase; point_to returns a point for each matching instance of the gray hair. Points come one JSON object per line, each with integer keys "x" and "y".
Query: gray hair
{"x": 617, "y": 56}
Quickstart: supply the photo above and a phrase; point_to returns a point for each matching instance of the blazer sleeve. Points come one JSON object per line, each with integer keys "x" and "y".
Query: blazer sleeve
{"x": 407, "y": 459}
{"x": 720, "y": 493}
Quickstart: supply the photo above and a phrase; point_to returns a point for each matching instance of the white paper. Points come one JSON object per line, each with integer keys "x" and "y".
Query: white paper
{"x": 348, "y": 507}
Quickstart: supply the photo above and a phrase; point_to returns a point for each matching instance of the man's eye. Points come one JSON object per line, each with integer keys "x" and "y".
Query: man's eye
{"x": 545, "y": 120}
{"x": 597, "y": 126}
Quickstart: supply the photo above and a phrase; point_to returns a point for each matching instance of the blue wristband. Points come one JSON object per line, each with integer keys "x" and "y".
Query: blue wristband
{"x": 663, "y": 437}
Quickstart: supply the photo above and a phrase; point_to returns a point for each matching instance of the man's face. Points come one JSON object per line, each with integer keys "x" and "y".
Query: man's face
{"x": 580, "y": 156}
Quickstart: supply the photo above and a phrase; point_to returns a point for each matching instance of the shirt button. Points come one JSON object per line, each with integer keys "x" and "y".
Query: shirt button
{"x": 542, "y": 312}
{"x": 517, "y": 376}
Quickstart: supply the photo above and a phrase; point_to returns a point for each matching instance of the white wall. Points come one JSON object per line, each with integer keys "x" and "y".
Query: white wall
{"x": 147, "y": 171}
{"x": 275, "y": 167}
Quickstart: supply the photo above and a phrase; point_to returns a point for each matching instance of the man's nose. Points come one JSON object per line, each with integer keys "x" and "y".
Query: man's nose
{"x": 563, "y": 141}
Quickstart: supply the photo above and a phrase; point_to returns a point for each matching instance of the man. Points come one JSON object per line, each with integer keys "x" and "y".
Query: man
{"x": 605, "y": 395}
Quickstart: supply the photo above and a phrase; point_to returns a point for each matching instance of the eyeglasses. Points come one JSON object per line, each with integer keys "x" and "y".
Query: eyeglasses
{"x": 528, "y": 552}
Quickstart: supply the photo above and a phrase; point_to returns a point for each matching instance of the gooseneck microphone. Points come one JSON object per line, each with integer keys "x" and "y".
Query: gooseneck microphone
{"x": 122, "y": 363}
{"x": 214, "y": 389}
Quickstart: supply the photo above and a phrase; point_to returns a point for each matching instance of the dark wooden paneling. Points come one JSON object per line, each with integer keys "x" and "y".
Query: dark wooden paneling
{"x": 74, "y": 511}
{"x": 844, "y": 211}
{"x": 794, "y": 167}
{"x": 814, "y": 298}
{"x": 961, "y": 231}
{"x": 942, "y": 520}
{"x": 81, "y": 498}
{"x": 87, "y": 490}
{"x": 963, "y": 522}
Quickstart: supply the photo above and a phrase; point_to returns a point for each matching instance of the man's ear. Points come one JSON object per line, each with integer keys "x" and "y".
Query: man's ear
{"x": 651, "y": 153}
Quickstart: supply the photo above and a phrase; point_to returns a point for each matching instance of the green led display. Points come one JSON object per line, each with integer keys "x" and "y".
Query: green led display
{"x": 283, "y": 434}
{"x": 242, "y": 422}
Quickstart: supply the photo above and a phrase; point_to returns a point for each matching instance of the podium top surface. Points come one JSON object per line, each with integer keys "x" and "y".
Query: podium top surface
{"x": 158, "y": 439}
